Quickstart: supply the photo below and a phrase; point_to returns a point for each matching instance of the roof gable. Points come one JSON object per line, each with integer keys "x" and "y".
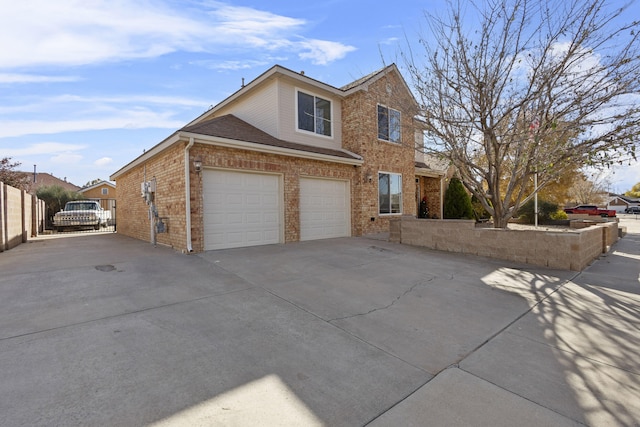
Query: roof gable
{"x": 370, "y": 79}
{"x": 273, "y": 72}
{"x": 97, "y": 185}
{"x": 279, "y": 71}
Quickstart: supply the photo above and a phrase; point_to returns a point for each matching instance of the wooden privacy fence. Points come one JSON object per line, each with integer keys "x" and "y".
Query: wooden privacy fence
{"x": 22, "y": 216}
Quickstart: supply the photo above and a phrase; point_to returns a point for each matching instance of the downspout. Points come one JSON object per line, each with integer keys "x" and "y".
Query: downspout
{"x": 442, "y": 196}
{"x": 187, "y": 192}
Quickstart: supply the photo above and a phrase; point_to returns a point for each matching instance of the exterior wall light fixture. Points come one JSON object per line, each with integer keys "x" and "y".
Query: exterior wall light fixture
{"x": 197, "y": 163}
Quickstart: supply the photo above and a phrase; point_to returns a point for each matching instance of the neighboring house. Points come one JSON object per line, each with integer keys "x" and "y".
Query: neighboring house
{"x": 103, "y": 192}
{"x": 620, "y": 203}
{"x": 285, "y": 158}
{"x": 37, "y": 180}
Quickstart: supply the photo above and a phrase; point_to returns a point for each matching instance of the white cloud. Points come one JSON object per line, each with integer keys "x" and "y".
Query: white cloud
{"x": 42, "y": 148}
{"x": 322, "y": 52}
{"x": 100, "y": 103}
{"x": 129, "y": 100}
{"x": 34, "y": 78}
{"x": 77, "y": 32}
{"x": 104, "y": 161}
{"x": 133, "y": 119}
{"x": 390, "y": 41}
{"x": 229, "y": 65}
{"x": 260, "y": 28}
{"x": 66, "y": 159}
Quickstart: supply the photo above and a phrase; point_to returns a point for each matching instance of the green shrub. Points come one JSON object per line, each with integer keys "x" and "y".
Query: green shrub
{"x": 559, "y": 215}
{"x": 457, "y": 203}
{"x": 478, "y": 210}
{"x": 546, "y": 211}
{"x": 55, "y": 197}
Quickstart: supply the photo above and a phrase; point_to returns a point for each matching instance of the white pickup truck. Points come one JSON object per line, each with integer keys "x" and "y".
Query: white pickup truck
{"x": 82, "y": 213}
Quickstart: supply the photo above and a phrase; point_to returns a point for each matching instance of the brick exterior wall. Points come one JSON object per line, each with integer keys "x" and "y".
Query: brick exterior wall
{"x": 291, "y": 169}
{"x": 430, "y": 188}
{"x": 168, "y": 171}
{"x": 133, "y": 213}
{"x": 360, "y": 135}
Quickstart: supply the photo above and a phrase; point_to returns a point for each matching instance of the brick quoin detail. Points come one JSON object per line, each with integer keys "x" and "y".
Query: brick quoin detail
{"x": 360, "y": 135}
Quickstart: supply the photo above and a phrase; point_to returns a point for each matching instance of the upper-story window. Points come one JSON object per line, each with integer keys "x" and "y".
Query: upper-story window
{"x": 314, "y": 114}
{"x": 388, "y": 124}
{"x": 105, "y": 191}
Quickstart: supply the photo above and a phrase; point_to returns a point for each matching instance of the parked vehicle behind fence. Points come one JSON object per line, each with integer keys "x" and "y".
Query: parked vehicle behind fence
{"x": 82, "y": 213}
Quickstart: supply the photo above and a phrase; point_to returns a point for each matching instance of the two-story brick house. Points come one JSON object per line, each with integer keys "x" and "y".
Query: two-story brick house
{"x": 285, "y": 158}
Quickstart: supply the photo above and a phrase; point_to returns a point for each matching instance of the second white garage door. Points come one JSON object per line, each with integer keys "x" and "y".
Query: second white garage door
{"x": 325, "y": 209}
{"x": 240, "y": 209}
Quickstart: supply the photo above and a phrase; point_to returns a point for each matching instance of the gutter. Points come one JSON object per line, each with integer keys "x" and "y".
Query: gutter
{"x": 270, "y": 149}
{"x": 187, "y": 192}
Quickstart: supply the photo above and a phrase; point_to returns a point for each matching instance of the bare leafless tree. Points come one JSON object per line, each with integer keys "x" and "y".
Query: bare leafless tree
{"x": 514, "y": 88}
{"x": 591, "y": 188}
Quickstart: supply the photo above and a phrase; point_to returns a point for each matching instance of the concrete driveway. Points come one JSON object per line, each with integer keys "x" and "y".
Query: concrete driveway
{"x": 106, "y": 330}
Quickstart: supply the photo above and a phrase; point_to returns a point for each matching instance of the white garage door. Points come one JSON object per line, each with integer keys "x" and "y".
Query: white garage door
{"x": 240, "y": 209}
{"x": 325, "y": 210}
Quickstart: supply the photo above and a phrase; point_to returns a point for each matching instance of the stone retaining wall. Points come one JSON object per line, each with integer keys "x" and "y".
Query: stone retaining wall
{"x": 562, "y": 249}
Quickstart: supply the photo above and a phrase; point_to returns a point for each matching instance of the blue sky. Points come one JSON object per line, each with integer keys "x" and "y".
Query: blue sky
{"x": 85, "y": 86}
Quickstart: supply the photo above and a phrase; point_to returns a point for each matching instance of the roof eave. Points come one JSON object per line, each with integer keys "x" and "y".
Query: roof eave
{"x": 430, "y": 173}
{"x": 270, "y": 149}
{"x": 157, "y": 149}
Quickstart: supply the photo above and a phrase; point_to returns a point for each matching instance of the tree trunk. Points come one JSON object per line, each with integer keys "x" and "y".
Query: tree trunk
{"x": 500, "y": 222}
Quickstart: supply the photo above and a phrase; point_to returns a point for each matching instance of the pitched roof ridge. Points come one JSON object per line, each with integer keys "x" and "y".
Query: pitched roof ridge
{"x": 366, "y": 78}
{"x": 97, "y": 184}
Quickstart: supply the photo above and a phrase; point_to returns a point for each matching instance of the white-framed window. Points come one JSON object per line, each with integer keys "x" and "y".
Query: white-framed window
{"x": 105, "y": 191}
{"x": 389, "y": 193}
{"x": 314, "y": 114}
{"x": 389, "y": 124}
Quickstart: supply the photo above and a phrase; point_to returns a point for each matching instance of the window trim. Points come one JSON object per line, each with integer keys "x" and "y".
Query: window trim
{"x": 399, "y": 141}
{"x": 105, "y": 191}
{"x": 331, "y": 114}
{"x": 401, "y": 195}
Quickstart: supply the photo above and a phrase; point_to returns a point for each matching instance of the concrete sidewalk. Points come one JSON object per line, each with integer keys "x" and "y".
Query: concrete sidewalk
{"x": 106, "y": 330}
{"x": 571, "y": 360}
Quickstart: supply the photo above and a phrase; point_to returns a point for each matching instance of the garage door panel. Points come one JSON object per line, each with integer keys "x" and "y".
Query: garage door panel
{"x": 324, "y": 209}
{"x": 240, "y": 209}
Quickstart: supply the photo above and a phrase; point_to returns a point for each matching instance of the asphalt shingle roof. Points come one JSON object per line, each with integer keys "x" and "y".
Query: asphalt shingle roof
{"x": 231, "y": 127}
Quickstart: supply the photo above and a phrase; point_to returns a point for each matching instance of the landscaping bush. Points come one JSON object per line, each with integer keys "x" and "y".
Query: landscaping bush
{"x": 479, "y": 211}
{"x": 559, "y": 215}
{"x": 457, "y": 203}
{"x": 546, "y": 212}
{"x": 55, "y": 197}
